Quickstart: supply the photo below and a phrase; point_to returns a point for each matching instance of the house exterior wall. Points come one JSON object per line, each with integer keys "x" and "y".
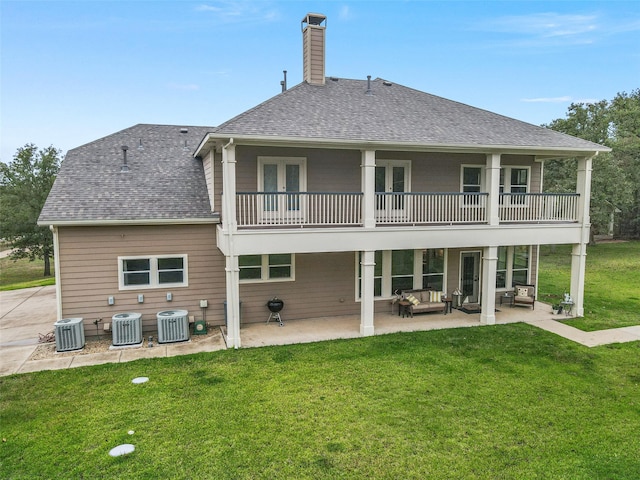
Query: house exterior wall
{"x": 327, "y": 170}
{"x": 335, "y": 170}
{"x": 324, "y": 286}
{"x": 89, "y": 274}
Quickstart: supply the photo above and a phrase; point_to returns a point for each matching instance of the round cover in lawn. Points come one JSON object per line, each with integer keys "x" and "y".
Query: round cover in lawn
{"x": 123, "y": 449}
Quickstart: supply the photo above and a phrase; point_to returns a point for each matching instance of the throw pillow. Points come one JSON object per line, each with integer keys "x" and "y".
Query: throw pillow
{"x": 412, "y": 299}
{"x": 523, "y": 292}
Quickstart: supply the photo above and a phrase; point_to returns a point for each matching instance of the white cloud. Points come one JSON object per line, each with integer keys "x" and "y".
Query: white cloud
{"x": 345, "y": 13}
{"x": 563, "y": 99}
{"x": 236, "y": 11}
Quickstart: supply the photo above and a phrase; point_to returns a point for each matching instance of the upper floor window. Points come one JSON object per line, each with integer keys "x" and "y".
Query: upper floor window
{"x": 471, "y": 183}
{"x": 158, "y": 271}
{"x": 514, "y": 180}
{"x": 276, "y": 267}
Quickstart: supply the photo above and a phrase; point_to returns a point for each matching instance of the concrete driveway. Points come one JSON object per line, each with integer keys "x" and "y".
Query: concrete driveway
{"x": 23, "y": 315}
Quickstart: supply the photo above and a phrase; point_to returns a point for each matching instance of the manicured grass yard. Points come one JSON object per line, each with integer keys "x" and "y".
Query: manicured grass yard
{"x": 15, "y": 274}
{"x": 612, "y": 283}
{"x": 506, "y": 402}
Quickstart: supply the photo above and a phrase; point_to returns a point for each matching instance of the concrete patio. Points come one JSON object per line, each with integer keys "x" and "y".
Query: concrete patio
{"x": 29, "y": 312}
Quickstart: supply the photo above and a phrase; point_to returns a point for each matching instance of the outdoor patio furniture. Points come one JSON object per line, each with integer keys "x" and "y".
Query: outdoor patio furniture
{"x": 524, "y": 295}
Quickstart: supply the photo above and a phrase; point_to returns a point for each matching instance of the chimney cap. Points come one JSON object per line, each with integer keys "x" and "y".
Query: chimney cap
{"x": 315, "y": 19}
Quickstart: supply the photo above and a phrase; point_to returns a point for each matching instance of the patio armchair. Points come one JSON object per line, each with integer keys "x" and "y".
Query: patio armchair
{"x": 524, "y": 295}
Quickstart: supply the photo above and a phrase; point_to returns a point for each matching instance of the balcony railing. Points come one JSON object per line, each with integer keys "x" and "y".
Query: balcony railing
{"x": 431, "y": 208}
{"x": 538, "y": 207}
{"x": 260, "y": 209}
{"x": 256, "y": 209}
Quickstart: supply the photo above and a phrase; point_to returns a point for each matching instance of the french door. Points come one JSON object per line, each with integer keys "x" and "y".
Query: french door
{"x": 392, "y": 180}
{"x": 281, "y": 179}
{"x": 470, "y": 276}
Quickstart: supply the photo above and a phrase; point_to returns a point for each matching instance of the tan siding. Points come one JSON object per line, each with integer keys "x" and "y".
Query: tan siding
{"x": 327, "y": 170}
{"x": 89, "y": 271}
{"x": 324, "y": 286}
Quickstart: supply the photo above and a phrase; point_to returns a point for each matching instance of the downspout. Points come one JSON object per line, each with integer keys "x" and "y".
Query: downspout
{"x": 56, "y": 266}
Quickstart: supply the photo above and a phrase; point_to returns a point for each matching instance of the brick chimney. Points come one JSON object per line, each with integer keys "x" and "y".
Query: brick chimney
{"x": 313, "y": 28}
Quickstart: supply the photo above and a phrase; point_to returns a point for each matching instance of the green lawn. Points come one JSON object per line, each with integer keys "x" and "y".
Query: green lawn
{"x": 499, "y": 402}
{"x": 16, "y": 274}
{"x": 612, "y": 283}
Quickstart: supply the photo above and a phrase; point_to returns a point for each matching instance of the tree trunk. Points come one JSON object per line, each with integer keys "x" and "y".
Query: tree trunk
{"x": 47, "y": 265}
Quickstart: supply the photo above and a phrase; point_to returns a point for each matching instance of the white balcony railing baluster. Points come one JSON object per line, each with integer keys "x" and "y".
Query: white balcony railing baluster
{"x": 259, "y": 209}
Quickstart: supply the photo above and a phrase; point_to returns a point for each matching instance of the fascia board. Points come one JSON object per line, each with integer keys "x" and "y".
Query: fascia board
{"x": 551, "y": 152}
{"x": 142, "y": 221}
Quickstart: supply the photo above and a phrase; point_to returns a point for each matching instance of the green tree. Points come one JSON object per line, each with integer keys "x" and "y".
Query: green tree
{"x": 615, "y": 180}
{"x": 24, "y": 185}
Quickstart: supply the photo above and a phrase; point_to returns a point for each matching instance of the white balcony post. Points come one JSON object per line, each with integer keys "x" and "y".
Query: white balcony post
{"x": 489, "y": 268}
{"x": 369, "y": 188}
{"x": 229, "y": 221}
{"x": 367, "y": 272}
{"x": 232, "y": 271}
{"x": 583, "y": 188}
{"x": 579, "y": 252}
{"x": 492, "y": 179}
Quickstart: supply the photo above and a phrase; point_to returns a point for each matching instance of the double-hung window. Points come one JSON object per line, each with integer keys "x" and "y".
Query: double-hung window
{"x": 471, "y": 184}
{"x": 276, "y": 267}
{"x": 159, "y": 271}
{"x": 514, "y": 181}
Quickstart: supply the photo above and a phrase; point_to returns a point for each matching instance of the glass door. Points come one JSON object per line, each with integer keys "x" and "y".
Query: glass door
{"x": 392, "y": 181}
{"x": 281, "y": 180}
{"x": 470, "y": 276}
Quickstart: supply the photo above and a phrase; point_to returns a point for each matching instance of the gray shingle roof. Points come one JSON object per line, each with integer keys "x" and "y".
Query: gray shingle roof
{"x": 164, "y": 181}
{"x": 342, "y": 111}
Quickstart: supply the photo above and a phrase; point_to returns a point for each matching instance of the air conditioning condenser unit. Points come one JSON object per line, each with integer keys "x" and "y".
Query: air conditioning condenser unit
{"x": 69, "y": 333}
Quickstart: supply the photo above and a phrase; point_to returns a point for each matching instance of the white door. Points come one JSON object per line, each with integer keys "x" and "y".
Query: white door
{"x": 392, "y": 181}
{"x": 281, "y": 180}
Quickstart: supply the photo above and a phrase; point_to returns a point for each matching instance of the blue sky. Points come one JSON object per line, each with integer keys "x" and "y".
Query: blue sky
{"x": 72, "y": 72}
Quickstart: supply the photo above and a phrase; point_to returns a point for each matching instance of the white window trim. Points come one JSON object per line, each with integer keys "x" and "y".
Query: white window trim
{"x": 154, "y": 282}
{"x": 482, "y": 175}
{"x": 507, "y": 175}
{"x": 301, "y": 161}
{"x": 264, "y": 276}
{"x": 509, "y": 269}
{"x": 386, "y": 272}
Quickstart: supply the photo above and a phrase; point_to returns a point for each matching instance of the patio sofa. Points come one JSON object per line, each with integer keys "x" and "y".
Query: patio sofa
{"x": 424, "y": 301}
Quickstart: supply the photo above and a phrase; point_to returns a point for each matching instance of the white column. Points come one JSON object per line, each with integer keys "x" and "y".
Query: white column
{"x": 492, "y": 185}
{"x": 229, "y": 227}
{"x": 369, "y": 188}
{"x": 578, "y": 269}
{"x": 579, "y": 251}
{"x": 56, "y": 266}
{"x": 229, "y": 221}
{"x": 489, "y": 268}
{"x": 233, "y": 301}
{"x": 367, "y": 272}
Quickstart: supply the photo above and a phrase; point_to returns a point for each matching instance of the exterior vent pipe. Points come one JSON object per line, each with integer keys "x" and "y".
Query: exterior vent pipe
{"x": 369, "y": 92}
{"x": 283, "y": 83}
{"x": 124, "y": 167}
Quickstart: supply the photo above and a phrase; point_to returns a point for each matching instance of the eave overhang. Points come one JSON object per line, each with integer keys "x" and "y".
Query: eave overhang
{"x": 216, "y": 140}
{"x": 130, "y": 222}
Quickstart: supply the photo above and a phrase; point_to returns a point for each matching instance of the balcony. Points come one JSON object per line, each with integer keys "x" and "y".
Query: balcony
{"x": 312, "y": 209}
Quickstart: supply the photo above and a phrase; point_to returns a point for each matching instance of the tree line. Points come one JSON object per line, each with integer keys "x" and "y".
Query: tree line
{"x": 615, "y": 188}
{"x": 615, "y": 183}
